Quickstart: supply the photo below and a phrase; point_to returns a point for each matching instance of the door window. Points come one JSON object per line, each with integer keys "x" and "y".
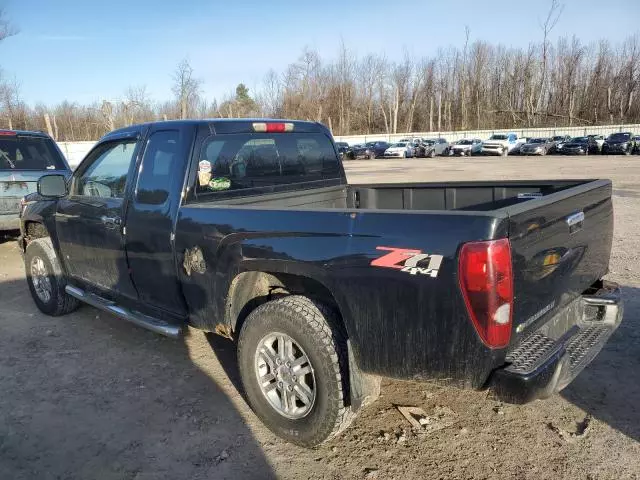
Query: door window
{"x": 154, "y": 180}
{"x": 106, "y": 175}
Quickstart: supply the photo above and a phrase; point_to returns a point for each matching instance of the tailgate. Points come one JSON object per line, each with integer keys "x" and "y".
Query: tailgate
{"x": 560, "y": 246}
{"x": 14, "y": 186}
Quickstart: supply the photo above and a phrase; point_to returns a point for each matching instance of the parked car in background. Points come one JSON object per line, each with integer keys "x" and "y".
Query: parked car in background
{"x": 558, "y": 143}
{"x": 415, "y": 142}
{"x": 343, "y": 147}
{"x": 619, "y": 143}
{"x": 501, "y": 144}
{"x": 467, "y": 146}
{"x": 440, "y": 145}
{"x": 370, "y": 150}
{"x": 599, "y": 140}
{"x": 24, "y": 158}
{"x": 400, "y": 150}
{"x": 426, "y": 148}
{"x": 536, "y": 146}
{"x": 581, "y": 146}
{"x": 636, "y": 141}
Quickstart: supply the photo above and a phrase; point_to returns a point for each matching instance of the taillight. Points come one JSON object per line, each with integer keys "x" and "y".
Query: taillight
{"x": 486, "y": 281}
{"x": 272, "y": 127}
{"x": 8, "y": 133}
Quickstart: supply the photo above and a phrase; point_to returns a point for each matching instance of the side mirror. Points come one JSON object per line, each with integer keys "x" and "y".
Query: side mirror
{"x": 54, "y": 186}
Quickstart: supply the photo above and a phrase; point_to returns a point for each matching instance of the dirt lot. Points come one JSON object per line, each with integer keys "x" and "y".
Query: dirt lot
{"x": 89, "y": 396}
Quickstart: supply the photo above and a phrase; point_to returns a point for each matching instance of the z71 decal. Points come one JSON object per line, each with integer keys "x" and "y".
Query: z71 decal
{"x": 409, "y": 261}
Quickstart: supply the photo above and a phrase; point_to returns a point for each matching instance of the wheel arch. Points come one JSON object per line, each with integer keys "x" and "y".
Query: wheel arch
{"x": 250, "y": 289}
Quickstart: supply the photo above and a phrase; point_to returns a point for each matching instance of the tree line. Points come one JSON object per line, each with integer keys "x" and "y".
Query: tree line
{"x": 478, "y": 85}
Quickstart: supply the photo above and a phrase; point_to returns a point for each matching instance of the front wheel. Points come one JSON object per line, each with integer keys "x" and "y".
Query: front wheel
{"x": 292, "y": 357}
{"x": 46, "y": 280}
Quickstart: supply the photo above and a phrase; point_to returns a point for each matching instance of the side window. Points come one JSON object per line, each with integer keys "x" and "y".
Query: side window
{"x": 154, "y": 179}
{"x": 106, "y": 176}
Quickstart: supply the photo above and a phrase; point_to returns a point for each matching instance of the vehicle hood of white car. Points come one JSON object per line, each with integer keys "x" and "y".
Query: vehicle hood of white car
{"x": 396, "y": 149}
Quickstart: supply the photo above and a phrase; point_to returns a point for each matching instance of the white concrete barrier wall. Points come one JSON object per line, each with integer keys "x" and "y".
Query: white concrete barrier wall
{"x": 74, "y": 152}
{"x": 485, "y": 134}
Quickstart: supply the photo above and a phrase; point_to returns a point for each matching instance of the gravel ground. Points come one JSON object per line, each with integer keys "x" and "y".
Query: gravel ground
{"x": 89, "y": 396}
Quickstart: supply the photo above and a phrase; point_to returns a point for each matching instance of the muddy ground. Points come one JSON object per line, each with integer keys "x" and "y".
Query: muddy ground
{"x": 90, "y": 396}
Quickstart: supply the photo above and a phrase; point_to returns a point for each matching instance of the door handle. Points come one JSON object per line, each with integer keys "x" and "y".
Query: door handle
{"x": 111, "y": 222}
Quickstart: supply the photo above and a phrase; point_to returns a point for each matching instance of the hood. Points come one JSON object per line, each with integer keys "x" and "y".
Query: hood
{"x": 616, "y": 142}
{"x": 395, "y": 149}
{"x": 461, "y": 147}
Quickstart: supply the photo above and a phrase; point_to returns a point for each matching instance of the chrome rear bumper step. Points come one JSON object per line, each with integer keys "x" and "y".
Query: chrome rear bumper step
{"x": 140, "y": 319}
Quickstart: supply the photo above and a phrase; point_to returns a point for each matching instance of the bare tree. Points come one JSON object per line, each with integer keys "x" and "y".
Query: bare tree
{"x": 6, "y": 28}
{"x": 186, "y": 88}
{"x": 553, "y": 15}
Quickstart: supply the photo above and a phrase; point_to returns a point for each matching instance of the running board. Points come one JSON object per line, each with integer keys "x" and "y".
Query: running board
{"x": 144, "y": 321}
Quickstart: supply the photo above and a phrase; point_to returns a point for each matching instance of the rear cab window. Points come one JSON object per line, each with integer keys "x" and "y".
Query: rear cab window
{"x": 25, "y": 152}
{"x": 246, "y": 163}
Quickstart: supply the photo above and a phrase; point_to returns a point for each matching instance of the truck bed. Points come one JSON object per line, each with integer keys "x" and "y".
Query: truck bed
{"x": 342, "y": 226}
{"x": 462, "y": 196}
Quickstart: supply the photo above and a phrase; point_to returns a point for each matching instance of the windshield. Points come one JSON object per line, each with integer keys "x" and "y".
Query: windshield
{"x": 498, "y": 137}
{"x": 342, "y": 145}
{"x": 619, "y": 137}
{"x": 399, "y": 145}
{"x": 29, "y": 153}
{"x": 538, "y": 140}
{"x": 580, "y": 139}
{"x": 558, "y": 138}
{"x": 464, "y": 142}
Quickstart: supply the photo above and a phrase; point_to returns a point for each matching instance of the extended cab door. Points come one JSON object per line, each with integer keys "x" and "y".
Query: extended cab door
{"x": 89, "y": 220}
{"x": 151, "y": 215}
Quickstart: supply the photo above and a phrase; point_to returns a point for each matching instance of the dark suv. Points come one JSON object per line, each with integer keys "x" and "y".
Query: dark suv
{"x": 621, "y": 142}
{"x": 24, "y": 158}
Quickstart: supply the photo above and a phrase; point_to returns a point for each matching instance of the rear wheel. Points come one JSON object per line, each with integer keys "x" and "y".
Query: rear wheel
{"x": 293, "y": 360}
{"x": 46, "y": 280}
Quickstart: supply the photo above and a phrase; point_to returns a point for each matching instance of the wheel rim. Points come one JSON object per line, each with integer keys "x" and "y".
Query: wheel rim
{"x": 40, "y": 279}
{"x": 285, "y": 375}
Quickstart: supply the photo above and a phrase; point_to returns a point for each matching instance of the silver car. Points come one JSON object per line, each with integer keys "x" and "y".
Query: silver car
{"x": 24, "y": 158}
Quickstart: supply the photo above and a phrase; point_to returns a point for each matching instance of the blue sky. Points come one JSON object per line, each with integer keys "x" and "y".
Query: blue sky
{"x": 89, "y": 50}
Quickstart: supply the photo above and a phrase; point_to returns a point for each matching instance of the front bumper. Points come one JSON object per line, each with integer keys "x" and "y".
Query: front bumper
{"x": 547, "y": 360}
{"x": 573, "y": 151}
{"x": 616, "y": 148}
{"x": 9, "y": 221}
{"x": 492, "y": 150}
{"x": 531, "y": 152}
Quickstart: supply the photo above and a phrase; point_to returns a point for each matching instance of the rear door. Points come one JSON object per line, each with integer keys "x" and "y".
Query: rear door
{"x": 560, "y": 247}
{"x": 89, "y": 220}
{"x": 151, "y": 214}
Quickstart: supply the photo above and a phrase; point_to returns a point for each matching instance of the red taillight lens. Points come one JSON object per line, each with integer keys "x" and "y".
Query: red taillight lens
{"x": 8, "y": 133}
{"x": 486, "y": 281}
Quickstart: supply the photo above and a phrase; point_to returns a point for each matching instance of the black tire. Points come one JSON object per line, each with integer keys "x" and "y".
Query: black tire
{"x": 59, "y": 303}
{"x": 315, "y": 328}
{"x": 404, "y": 154}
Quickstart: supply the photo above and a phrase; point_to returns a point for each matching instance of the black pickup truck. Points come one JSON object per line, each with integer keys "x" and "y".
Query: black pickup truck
{"x": 248, "y": 228}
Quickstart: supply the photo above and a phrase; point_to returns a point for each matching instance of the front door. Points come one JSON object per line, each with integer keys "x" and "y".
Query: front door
{"x": 89, "y": 221}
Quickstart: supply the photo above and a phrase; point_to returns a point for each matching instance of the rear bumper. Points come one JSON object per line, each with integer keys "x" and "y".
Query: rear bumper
{"x": 546, "y": 361}
{"x": 9, "y": 221}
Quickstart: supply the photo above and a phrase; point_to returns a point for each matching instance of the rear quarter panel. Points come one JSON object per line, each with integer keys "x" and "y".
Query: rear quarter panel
{"x": 400, "y": 325}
